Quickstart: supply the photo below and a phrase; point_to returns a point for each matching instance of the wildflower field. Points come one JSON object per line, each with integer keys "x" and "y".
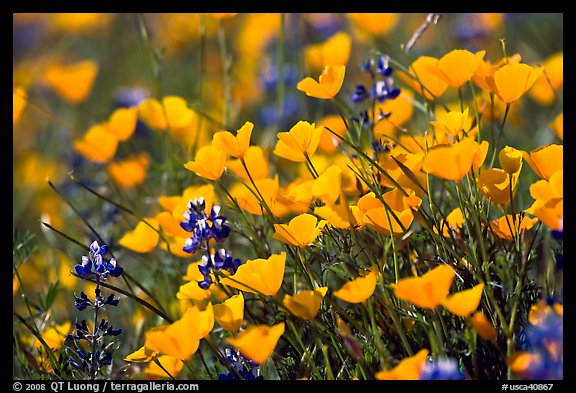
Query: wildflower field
{"x": 287, "y": 196}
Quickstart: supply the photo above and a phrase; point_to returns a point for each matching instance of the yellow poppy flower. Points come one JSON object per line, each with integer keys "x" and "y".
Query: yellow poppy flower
{"x": 359, "y": 289}
{"x": 328, "y": 142}
{"x": 263, "y": 276}
{"x": 142, "y": 239}
{"x": 247, "y": 200}
{"x": 381, "y": 220}
{"x": 327, "y": 187}
{"x": 557, "y": 125}
{"x": 427, "y": 83}
{"x": 549, "y": 201}
{"x": 181, "y": 338}
{"x": 465, "y": 302}
{"x": 400, "y": 109}
{"x": 452, "y": 123}
{"x": 494, "y": 183}
{"x": 236, "y": 146}
{"x": 520, "y": 362}
{"x": 374, "y": 24}
{"x": 230, "y": 313}
{"x": 305, "y": 304}
{"x": 484, "y": 75}
{"x": 54, "y": 336}
{"x": 454, "y": 221}
{"x": 256, "y": 162}
{"x": 258, "y": 341}
{"x": 483, "y": 326}
{"x": 191, "y": 290}
{"x": 408, "y": 369}
{"x": 141, "y": 355}
{"x": 302, "y": 138}
{"x": 122, "y": 123}
{"x": 208, "y": 163}
{"x": 328, "y": 85}
{"x": 363, "y": 205}
{"x": 507, "y": 227}
{"x": 169, "y": 363}
{"x": 514, "y": 80}
{"x": 428, "y": 290}
{"x": 335, "y": 50}
{"x": 301, "y": 231}
{"x": 170, "y": 225}
{"x": 337, "y": 215}
{"x": 172, "y": 113}
{"x": 18, "y": 103}
{"x": 73, "y": 82}
{"x": 130, "y": 172}
{"x": 510, "y": 159}
{"x": 546, "y": 160}
{"x": 413, "y": 162}
{"x": 453, "y": 162}
{"x": 98, "y": 144}
{"x": 457, "y": 66}
{"x": 546, "y": 87}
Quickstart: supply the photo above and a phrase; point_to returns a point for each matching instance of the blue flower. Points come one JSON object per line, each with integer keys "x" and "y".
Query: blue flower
{"x": 82, "y": 302}
{"x": 97, "y": 261}
{"x": 203, "y": 227}
{"x": 221, "y": 260}
{"x": 246, "y": 368}
{"x": 441, "y": 369}
{"x": 382, "y": 85}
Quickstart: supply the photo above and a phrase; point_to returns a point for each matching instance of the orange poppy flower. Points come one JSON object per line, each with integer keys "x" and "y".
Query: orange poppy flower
{"x": 301, "y": 231}
{"x": 142, "y": 239}
{"x": 494, "y": 183}
{"x": 305, "y": 304}
{"x": 335, "y": 50}
{"x": 98, "y": 144}
{"x": 73, "y": 82}
{"x": 557, "y": 125}
{"x": 171, "y": 366}
{"x": 506, "y": 227}
{"x": 256, "y": 162}
{"x": 258, "y": 341}
{"x": 131, "y": 171}
{"x": 263, "y": 276}
{"x": 428, "y": 290}
{"x": 457, "y": 66}
{"x": 236, "y": 146}
{"x": 209, "y": 163}
{"x": 514, "y": 80}
{"x": 408, "y": 369}
{"x": 328, "y": 85}
{"x": 510, "y": 159}
{"x": 465, "y": 302}
{"x": 359, "y": 289}
{"x": 122, "y": 123}
{"x": 302, "y": 138}
{"x": 173, "y": 112}
{"x": 453, "y": 162}
{"x": 230, "y": 313}
{"x": 426, "y": 82}
{"x": 546, "y": 160}
{"x": 546, "y": 87}
{"x": 483, "y": 326}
